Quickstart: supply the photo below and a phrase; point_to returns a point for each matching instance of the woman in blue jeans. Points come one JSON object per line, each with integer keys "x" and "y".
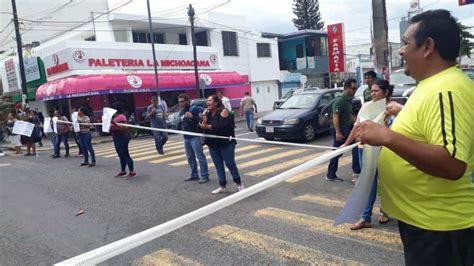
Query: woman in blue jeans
{"x": 121, "y": 139}
{"x": 217, "y": 120}
{"x": 380, "y": 90}
{"x": 85, "y": 138}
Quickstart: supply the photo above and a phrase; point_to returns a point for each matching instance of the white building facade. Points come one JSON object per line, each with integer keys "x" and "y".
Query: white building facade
{"x": 82, "y": 63}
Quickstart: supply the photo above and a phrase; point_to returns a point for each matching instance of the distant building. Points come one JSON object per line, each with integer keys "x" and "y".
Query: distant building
{"x": 360, "y": 59}
{"x": 306, "y": 52}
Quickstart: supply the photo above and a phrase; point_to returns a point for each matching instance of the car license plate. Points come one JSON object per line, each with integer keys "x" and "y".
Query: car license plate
{"x": 269, "y": 129}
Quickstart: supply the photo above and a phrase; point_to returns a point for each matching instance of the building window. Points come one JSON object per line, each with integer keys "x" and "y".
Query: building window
{"x": 144, "y": 37}
{"x": 183, "y": 40}
{"x": 324, "y": 46}
{"x": 229, "y": 43}
{"x": 299, "y": 51}
{"x": 263, "y": 50}
{"x": 159, "y": 37}
{"x": 201, "y": 38}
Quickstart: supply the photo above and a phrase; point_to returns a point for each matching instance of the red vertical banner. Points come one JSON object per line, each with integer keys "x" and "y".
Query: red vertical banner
{"x": 465, "y": 2}
{"x": 336, "y": 47}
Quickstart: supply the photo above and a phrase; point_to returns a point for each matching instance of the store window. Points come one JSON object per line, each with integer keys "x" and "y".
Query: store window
{"x": 264, "y": 50}
{"x": 229, "y": 43}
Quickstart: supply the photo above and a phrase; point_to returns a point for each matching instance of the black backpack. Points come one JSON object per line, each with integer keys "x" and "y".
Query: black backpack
{"x": 326, "y": 113}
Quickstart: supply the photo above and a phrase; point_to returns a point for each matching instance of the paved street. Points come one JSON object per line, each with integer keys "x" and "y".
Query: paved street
{"x": 288, "y": 224}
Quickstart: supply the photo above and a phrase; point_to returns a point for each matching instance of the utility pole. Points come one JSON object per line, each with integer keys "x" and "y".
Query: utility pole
{"x": 93, "y": 26}
{"x": 19, "y": 47}
{"x": 193, "y": 40}
{"x": 152, "y": 39}
{"x": 380, "y": 41}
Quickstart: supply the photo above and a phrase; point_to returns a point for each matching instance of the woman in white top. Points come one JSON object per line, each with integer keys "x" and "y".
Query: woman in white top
{"x": 380, "y": 90}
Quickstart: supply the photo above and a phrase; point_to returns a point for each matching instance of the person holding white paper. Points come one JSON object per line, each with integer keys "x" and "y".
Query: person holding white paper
{"x": 381, "y": 90}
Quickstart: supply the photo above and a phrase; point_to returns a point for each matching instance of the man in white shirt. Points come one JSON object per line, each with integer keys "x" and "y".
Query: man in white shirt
{"x": 225, "y": 101}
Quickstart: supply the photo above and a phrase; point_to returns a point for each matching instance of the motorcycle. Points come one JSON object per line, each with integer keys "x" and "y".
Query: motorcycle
{"x": 135, "y": 132}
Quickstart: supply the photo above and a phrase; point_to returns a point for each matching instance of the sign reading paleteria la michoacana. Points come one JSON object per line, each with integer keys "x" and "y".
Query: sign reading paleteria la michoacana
{"x": 87, "y": 58}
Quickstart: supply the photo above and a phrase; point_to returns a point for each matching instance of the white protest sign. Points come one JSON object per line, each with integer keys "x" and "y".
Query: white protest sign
{"x": 107, "y": 118}
{"x": 23, "y": 128}
{"x": 359, "y": 197}
{"x": 55, "y": 124}
{"x": 75, "y": 123}
{"x": 47, "y": 125}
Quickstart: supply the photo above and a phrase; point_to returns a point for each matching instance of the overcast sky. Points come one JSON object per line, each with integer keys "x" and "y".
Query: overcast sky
{"x": 261, "y": 15}
{"x": 275, "y": 15}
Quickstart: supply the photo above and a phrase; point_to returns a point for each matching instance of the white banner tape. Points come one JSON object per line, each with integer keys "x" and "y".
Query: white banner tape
{"x": 118, "y": 247}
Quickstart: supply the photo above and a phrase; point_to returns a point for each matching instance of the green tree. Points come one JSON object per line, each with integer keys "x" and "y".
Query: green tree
{"x": 466, "y": 44}
{"x": 307, "y": 15}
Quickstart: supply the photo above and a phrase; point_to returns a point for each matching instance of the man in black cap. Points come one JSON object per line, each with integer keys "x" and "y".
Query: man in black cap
{"x": 156, "y": 113}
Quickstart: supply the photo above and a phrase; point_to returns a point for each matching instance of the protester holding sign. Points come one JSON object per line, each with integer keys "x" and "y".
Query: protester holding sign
{"x": 381, "y": 91}
{"x": 77, "y": 129}
{"x": 85, "y": 138}
{"x": 30, "y": 139}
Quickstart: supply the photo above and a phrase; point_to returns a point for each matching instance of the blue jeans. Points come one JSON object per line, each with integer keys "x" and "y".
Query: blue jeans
{"x": 225, "y": 154}
{"x": 367, "y": 214}
{"x": 193, "y": 148}
{"x": 78, "y": 142}
{"x": 57, "y": 145}
{"x": 249, "y": 118}
{"x": 334, "y": 163}
{"x": 160, "y": 137}
{"x": 121, "y": 146}
{"x": 85, "y": 139}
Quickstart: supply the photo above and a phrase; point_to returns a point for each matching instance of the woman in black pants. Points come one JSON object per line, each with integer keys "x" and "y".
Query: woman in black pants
{"x": 121, "y": 139}
{"x": 217, "y": 120}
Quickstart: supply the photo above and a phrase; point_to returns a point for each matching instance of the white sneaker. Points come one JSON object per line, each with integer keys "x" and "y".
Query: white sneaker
{"x": 219, "y": 190}
{"x": 241, "y": 187}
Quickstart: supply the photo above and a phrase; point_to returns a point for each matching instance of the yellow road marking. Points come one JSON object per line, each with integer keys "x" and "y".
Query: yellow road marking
{"x": 269, "y": 158}
{"x": 110, "y": 146}
{"x": 320, "y": 200}
{"x": 162, "y": 159}
{"x": 282, "y": 166}
{"x": 255, "y": 242}
{"x": 252, "y": 154}
{"x": 317, "y": 170}
{"x": 388, "y": 240}
{"x": 156, "y": 155}
{"x": 144, "y": 146}
{"x": 148, "y": 150}
{"x": 164, "y": 257}
{"x": 245, "y": 148}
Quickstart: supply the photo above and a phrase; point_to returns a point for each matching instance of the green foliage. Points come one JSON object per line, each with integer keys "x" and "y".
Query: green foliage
{"x": 466, "y": 36}
{"x": 307, "y": 15}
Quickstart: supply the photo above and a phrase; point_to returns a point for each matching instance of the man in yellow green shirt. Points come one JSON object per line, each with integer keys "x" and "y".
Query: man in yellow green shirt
{"x": 426, "y": 165}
